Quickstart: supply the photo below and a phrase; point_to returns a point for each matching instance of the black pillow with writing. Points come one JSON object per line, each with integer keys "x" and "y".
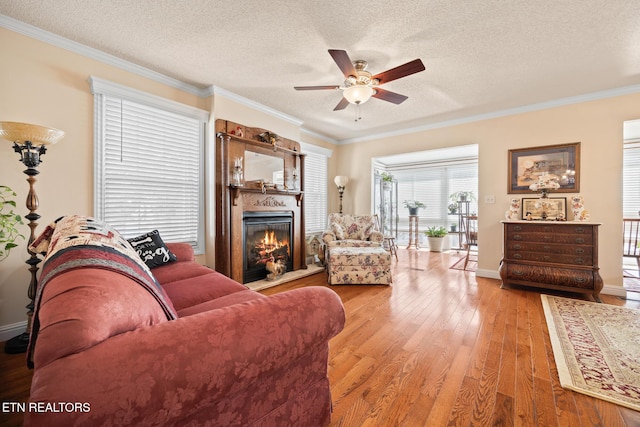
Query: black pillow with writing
{"x": 152, "y": 249}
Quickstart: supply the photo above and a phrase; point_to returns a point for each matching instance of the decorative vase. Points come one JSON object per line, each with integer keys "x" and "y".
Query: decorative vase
{"x": 435, "y": 243}
{"x": 413, "y": 211}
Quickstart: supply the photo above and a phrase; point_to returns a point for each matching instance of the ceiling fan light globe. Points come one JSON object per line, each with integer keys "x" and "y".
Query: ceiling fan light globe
{"x": 358, "y": 94}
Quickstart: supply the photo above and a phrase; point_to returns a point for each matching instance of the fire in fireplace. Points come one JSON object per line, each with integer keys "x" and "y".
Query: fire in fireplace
{"x": 267, "y": 237}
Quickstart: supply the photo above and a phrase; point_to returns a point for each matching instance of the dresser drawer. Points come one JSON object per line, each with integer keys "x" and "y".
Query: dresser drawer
{"x": 581, "y": 279}
{"x": 549, "y": 248}
{"x": 570, "y": 239}
{"x": 536, "y": 227}
{"x": 551, "y": 258}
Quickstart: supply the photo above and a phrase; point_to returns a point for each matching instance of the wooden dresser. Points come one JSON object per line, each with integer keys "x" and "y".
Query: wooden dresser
{"x": 551, "y": 255}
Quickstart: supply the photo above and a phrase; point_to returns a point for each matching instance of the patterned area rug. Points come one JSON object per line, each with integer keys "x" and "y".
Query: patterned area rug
{"x": 596, "y": 348}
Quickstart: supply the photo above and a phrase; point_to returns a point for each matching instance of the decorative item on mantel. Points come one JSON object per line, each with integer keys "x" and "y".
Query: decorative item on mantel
{"x": 546, "y": 182}
{"x": 237, "y": 171}
{"x": 270, "y": 138}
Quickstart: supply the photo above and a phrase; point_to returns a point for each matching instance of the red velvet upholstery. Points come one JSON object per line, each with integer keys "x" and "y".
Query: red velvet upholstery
{"x": 234, "y": 357}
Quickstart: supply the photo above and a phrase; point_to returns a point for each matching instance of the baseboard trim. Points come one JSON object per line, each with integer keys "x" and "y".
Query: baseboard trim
{"x": 9, "y": 331}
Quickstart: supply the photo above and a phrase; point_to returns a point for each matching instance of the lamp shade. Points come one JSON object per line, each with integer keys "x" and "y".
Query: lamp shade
{"x": 341, "y": 181}
{"x": 22, "y": 132}
{"x": 358, "y": 94}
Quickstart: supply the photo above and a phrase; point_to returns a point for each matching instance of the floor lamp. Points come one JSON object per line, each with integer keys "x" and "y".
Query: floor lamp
{"x": 30, "y": 142}
{"x": 341, "y": 183}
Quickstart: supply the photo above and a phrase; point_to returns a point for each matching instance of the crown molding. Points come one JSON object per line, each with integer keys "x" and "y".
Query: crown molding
{"x": 89, "y": 52}
{"x": 319, "y": 136}
{"x": 218, "y": 91}
{"x": 626, "y": 90}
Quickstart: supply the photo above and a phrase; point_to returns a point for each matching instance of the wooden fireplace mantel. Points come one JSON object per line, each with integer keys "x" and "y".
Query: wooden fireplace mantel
{"x": 236, "y": 191}
{"x": 232, "y": 200}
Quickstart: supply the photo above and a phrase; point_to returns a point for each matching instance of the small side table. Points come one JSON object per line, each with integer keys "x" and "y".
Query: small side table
{"x": 389, "y": 243}
{"x": 413, "y": 232}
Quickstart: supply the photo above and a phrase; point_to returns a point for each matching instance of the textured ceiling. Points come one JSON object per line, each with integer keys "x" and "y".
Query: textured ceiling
{"x": 481, "y": 57}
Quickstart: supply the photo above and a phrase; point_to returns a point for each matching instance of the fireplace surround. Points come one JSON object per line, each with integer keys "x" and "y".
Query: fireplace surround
{"x": 238, "y": 200}
{"x": 267, "y": 236}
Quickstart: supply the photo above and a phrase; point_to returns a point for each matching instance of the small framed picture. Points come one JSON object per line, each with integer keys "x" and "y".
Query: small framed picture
{"x": 551, "y": 209}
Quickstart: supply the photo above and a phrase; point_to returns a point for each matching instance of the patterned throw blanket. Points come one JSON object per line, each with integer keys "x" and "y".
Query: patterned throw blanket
{"x": 73, "y": 242}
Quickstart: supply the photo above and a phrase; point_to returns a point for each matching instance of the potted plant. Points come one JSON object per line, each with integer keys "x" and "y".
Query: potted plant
{"x": 8, "y": 221}
{"x": 387, "y": 179}
{"x": 453, "y": 208}
{"x": 462, "y": 196}
{"x": 435, "y": 236}
{"x": 413, "y": 206}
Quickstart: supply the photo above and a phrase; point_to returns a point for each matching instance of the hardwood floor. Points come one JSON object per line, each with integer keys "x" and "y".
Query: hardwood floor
{"x": 438, "y": 347}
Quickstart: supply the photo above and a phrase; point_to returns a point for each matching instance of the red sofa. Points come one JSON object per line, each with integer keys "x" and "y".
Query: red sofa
{"x": 106, "y": 354}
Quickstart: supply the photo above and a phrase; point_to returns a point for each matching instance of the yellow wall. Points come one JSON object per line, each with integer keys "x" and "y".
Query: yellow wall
{"x": 47, "y": 85}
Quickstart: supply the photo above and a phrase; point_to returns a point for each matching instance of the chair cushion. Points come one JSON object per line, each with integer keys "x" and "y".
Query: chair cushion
{"x": 360, "y": 256}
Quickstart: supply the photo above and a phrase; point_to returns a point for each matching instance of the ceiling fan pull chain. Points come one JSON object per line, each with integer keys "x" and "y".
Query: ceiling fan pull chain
{"x": 358, "y": 116}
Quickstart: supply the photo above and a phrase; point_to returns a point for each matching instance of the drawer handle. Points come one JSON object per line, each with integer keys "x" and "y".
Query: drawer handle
{"x": 546, "y": 257}
{"x": 547, "y": 248}
{"x": 580, "y": 230}
{"x": 517, "y": 247}
{"x": 547, "y": 229}
{"x": 517, "y": 228}
{"x": 517, "y": 256}
{"x": 517, "y": 237}
{"x": 579, "y": 240}
{"x": 579, "y": 251}
{"x": 579, "y": 260}
{"x": 547, "y": 238}
{"x": 518, "y": 273}
{"x": 579, "y": 279}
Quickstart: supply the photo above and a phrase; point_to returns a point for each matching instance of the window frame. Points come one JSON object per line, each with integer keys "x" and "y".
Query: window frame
{"x": 101, "y": 88}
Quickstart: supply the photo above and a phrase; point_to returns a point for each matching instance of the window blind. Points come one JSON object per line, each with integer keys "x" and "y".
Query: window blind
{"x": 149, "y": 169}
{"x": 315, "y": 192}
{"x": 631, "y": 180}
{"x": 432, "y": 184}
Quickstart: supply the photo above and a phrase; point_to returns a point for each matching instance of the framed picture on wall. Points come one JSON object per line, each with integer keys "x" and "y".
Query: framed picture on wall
{"x": 527, "y": 164}
{"x": 553, "y": 208}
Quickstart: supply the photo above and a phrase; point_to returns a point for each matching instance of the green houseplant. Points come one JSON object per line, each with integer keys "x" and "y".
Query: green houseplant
{"x": 413, "y": 206}
{"x": 435, "y": 236}
{"x": 8, "y": 222}
{"x": 462, "y": 196}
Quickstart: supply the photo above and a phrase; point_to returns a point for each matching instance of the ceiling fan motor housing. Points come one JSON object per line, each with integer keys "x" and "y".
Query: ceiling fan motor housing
{"x": 363, "y": 77}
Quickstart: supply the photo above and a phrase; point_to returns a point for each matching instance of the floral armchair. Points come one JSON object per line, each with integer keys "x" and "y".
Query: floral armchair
{"x": 351, "y": 230}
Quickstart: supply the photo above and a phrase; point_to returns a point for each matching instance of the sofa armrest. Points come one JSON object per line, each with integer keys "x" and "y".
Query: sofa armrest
{"x": 328, "y": 236}
{"x": 180, "y": 369}
{"x": 182, "y": 251}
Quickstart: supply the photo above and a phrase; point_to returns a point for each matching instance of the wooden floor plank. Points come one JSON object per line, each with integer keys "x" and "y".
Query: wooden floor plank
{"x": 438, "y": 347}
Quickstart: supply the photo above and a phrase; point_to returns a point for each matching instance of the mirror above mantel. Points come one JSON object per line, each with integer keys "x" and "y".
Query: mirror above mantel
{"x": 264, "y": 167}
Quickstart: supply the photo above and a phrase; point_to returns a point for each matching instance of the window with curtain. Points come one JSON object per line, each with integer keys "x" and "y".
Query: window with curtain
{"x": 631, "y": 179}
{"x": 315, "y": 191}
{"x": 149, "y": 164}
{"x": 432, "y": 184}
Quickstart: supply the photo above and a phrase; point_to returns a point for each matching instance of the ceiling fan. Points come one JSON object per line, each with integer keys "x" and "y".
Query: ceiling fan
{"x": 360, "y": 85}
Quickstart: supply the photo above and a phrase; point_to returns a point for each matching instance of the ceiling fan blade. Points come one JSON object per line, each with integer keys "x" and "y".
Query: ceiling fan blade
{"x": 344, "y": 62}
{"x": 404, "y": 70}
{"x": 342, "y": 104}
{"x": 389, "y": 96}
{"x": 315, "y": 87}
